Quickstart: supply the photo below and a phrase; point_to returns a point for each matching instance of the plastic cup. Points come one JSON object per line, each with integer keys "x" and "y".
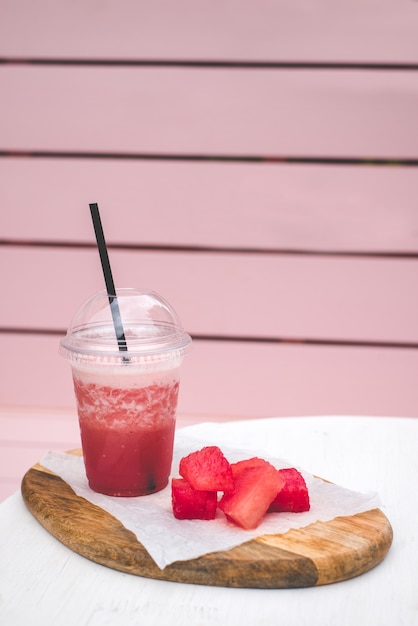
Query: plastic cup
{"x": 126, "y": 400}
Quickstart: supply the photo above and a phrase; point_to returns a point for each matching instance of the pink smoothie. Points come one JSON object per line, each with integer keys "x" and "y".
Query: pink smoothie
{"x": 127, "y": 435}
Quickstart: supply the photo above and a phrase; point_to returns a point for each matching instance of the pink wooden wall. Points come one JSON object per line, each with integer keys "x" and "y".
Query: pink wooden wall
{"x": 258, "y": 199}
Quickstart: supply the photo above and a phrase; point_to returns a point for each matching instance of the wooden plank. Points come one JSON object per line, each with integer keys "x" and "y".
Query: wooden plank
{"x": 223, "y": 294}
{"x": 36, "y": 427}
{"x": 290, "y": 30}
{"x": 350, "y": 545}
{"x": 238, "y": 379}
{"x": 15, "y": 459}
{"x": 232, "y": 205}
{"x": 218, "y": 112}
{"x": 26, "y": 434}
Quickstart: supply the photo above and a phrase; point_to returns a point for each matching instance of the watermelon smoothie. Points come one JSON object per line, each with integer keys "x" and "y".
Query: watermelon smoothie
{"x": 127, "y": 424}
{"x": 126, "y": 399}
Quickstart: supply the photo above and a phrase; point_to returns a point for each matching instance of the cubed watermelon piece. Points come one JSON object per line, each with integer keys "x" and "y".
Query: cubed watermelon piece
{"x": 293, "y": 496}
{"x": 240, "y": 466}
{"x": 207, "y": 469}
{"x": 189, "y": 503}
{"x": 255, "y": 488}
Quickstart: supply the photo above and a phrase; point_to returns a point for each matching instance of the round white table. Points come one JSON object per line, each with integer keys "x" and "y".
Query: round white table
{"x": 42, "y": 582}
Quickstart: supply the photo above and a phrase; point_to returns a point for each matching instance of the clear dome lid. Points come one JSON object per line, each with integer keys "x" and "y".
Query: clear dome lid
{"x": 151, "y": 328}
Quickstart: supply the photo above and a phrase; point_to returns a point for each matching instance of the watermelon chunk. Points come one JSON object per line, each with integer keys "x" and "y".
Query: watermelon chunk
{"x": 188, "y": 503}
{"x": 240, "y": 466}
{"x": 207, "y": 470}
{"x": 255, "y": 488}
{"x": 293, "y": 496}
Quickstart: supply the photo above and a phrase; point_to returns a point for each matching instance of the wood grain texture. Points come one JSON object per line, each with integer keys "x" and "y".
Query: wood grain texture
{"x": 319, "y": 554}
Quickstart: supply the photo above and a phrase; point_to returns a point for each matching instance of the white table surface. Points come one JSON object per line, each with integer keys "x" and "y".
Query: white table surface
{"x": 43, "y": 582}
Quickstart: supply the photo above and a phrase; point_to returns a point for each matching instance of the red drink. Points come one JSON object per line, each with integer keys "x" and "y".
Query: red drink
{"x": 126, "y": 398}
{"x": 127, "y": 434}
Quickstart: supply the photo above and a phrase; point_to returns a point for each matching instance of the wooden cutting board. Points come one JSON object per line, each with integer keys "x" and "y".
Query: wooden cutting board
{"x": 322, "y": 553}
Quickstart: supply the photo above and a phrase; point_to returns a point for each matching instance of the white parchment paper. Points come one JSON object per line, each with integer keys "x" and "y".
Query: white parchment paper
{"x": 167, "y": 539}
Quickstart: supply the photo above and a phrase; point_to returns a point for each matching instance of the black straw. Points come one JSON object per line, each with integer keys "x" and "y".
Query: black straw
{"x": 107, "y": 271}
